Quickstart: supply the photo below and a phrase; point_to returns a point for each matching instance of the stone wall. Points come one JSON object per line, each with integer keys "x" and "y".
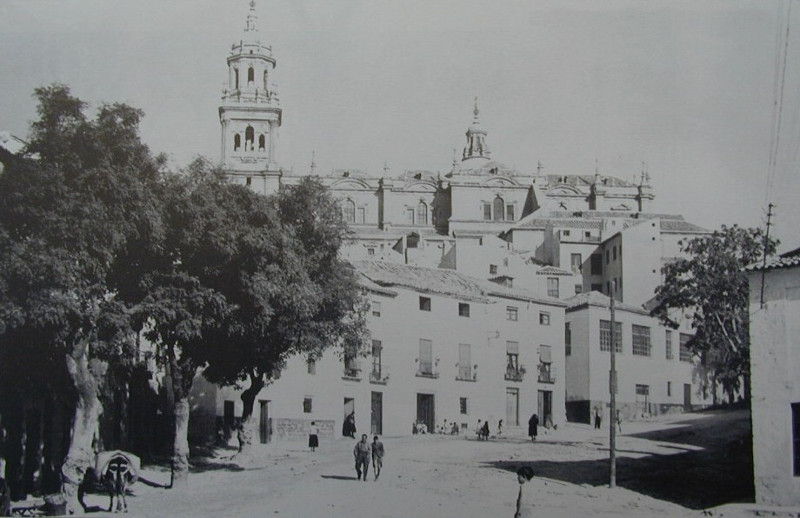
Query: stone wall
{"x": 290, "y": 429}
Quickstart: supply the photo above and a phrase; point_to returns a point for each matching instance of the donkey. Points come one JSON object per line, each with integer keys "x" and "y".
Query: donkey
{"x": 117, "y": 477}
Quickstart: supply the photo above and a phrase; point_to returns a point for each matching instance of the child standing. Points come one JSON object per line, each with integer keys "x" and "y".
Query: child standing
{"x": 524, "y": 474}
{"x": 313, "y": 437}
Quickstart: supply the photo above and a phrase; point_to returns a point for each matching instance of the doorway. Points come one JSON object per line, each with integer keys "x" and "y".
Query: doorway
{"x": 264, "y": 431}
{"x": 687, "y": 395}
{"x": 425, "y": 411}
{"x": 377, "y": 413}
{"x": 512, "y": 407}
{"x": 546, "y": 408}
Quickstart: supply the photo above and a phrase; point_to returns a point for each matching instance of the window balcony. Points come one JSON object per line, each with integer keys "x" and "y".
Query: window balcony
{"x": 546, "y": 373}
{"x": 379, "y": 376}
{"x": 427, "y": 369}
{"x": 515, "y": 373}
{"x": 352, "y": 374}
{"x": 466, "y": 372}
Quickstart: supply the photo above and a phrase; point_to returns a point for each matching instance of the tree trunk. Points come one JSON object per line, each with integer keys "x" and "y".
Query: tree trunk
{"x": 249, "y": 425}
{"x": 180, "y": 449}
{"x": 181, "y": 377}
{"x": 84, "y": 425}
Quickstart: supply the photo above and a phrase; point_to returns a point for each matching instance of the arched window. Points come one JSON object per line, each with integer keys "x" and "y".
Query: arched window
{"x": 266, "y": 88}
{"x": 237, "y": 142}
{"x": 249, "y": 137}
{"x": 261, "y": 142}
{"x": 236, "y": 78}
{"x": 349, "y": 211}
{"x": 422, "y": 213}
{"x": 251, "y": 75}
{"x": 497, "y": 208}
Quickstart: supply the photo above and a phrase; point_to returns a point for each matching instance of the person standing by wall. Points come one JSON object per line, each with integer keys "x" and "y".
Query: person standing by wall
{"x": 361, "y": 452}
{"x": 377, "y": 456}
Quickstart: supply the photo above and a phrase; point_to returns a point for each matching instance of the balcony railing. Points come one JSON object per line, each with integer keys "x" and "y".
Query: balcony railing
{"x": 546, "y": 373}
{"x": 515, "y": 373}
{"x": 352, "y": 373}
{"x": 380, "y": 376}
{"x": 466, "y": 372}
{"x": 427, "y": 369}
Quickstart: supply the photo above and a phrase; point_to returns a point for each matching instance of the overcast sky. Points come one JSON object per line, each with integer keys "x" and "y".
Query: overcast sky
{"x": 686, "y": 86}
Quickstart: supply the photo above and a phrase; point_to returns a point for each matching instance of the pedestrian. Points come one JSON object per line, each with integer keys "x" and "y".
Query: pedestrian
{"x": 499, "y": 428}
{"x": 485, "y": 430}
{"x": 533, "y": 427}
{"x": 361, "y": 452}
{"x": 313, "y": 437}
{"x": 479, "y": 429}
{"x": 349, "y": 426}
{"x": 598, "y": 418}
{"x": 524, "y": 474}
{"x": 619, "y": 421}
{"x": 377, "y": 456}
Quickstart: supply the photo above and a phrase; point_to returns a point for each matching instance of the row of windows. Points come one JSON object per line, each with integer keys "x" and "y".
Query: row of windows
{"x": 308, "y": 406}
{"x": 412, "y": 216}
{"x": 251, "y": 77}
{"x": 498, "y": 210}
{"x": 512, "y": 312}
{"x": 249, "y": 140}
{"x": 641, "y": 344}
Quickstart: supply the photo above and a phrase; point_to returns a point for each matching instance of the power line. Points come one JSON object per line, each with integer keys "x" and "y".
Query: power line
{"x": 778, "y": 93}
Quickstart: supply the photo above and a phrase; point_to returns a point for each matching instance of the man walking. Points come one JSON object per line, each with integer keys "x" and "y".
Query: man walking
{"x": 361, "y": 453}
{"x": 377, "y": 457}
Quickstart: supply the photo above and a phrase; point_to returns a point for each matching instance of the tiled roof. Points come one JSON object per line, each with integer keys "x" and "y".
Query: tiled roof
{"x": 443, "y": 282}
{"x": 552, "y": 270}
{"x": 595, "y": 298}
{"x": 785, "y": 260}
{"x": 679, "y": 225}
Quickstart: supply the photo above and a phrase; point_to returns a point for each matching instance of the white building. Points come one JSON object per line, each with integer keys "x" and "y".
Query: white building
{"x": 654, "y": 368}
{"x": 445, "y": 347}
{"x": 775, "y": 387}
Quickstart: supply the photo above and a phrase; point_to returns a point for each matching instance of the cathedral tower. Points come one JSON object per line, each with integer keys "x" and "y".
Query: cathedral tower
{"x": 476, "y": 139}
{"x": 250, "y": 112}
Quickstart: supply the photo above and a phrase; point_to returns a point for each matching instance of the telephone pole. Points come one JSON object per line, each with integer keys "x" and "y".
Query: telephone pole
{"x": 764, "y": 252}
{"x": 612, "y": 387}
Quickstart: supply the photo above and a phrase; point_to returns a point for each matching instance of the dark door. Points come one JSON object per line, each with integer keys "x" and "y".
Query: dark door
{"x": 425, "y": 411}
{"x": 687, "y": 395}
{"x": 377, "y": 413}
{"x": 263, "y": 422}
{"x": 545, "y": 408}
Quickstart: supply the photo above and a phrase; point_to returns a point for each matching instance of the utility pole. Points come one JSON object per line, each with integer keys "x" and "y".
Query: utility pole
{"x": 764, "y": 252}
{"x": 612, "y": 414}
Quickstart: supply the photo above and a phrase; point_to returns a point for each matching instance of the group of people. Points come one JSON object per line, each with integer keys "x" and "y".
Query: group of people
{"x": 598, "y": 419}
{"x": 362, "y": 452}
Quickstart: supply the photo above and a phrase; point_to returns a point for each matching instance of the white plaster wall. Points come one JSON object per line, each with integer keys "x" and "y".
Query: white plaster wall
{"x": 775, "y": 362}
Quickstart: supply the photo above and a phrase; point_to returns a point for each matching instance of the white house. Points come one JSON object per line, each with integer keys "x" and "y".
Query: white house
{"x": 444, "y": 348}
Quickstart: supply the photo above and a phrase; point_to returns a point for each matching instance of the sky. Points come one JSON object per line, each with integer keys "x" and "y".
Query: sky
{"x": 691, "y": 88}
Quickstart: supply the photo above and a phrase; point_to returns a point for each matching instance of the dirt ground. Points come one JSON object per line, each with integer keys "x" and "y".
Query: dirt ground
{"x": 668, "y": 467}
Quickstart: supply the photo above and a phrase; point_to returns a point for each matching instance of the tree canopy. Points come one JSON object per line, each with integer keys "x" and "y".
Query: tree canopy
{"x": 710, "y": 288}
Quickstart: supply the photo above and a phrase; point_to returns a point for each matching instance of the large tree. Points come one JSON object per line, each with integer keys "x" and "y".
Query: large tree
{"x": 296, "y": 296}
{"x": 710, "y": 288}
{"x": 68, "y": 212}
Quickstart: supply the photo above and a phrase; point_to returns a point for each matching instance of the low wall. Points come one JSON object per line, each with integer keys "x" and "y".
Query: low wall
{"x": 291, "y": 429}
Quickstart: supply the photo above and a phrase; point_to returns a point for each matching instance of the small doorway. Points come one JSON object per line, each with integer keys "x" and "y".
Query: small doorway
{"x": 425, "y": 411}
{"x": 546, "y": 408}
{"x": 264, "y": 431}
{"x": 377, "y": 413}
{"x": 687, "y": 395}
{"x": 512, "y": 407}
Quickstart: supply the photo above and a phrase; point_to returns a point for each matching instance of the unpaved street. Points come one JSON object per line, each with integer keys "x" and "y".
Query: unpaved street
{"x": 448, "y": 476}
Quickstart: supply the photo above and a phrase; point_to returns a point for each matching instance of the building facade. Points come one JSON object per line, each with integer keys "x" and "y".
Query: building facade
{"x": 445, "y": 348}
{"x": 775, "y": 388}
{"x": 655, "y": 371}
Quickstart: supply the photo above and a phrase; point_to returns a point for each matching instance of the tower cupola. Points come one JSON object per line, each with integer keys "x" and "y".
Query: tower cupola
{"x": 476, "y": 139}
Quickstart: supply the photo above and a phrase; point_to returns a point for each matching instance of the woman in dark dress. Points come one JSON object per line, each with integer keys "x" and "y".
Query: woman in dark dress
{"x": 533, "y": 427}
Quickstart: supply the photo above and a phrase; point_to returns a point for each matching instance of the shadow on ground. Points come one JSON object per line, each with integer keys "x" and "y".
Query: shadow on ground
{"x": 719, "y": 474}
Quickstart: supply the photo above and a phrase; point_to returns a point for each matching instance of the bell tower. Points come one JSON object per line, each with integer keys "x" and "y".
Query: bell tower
{"x": 250, "y": 112}
{"x": 476, "y": 139}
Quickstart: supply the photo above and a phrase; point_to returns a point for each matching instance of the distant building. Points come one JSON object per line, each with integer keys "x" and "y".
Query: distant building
{"x": 445, "y": 347}
{"x": 775, "y": 386}
{"x": 654, "y": 368}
